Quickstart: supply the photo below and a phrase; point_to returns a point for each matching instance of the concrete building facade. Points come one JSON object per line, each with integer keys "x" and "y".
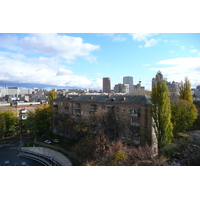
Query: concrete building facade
{"x": 128, "y": 80}
{"x": 106, "y": 85}
{"x": 121, "y": 88}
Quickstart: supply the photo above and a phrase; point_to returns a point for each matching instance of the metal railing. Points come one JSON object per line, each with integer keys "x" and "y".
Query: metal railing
{"x": 44, "y": 159}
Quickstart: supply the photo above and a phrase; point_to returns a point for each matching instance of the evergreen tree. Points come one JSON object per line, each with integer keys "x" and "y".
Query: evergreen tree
{"x": 161, "y": 113}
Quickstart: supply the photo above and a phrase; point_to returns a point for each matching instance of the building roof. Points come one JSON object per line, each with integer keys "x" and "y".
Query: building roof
{"x": 113, "y": 99}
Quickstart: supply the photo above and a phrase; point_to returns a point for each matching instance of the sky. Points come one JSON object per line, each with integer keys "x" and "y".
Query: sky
{"x": 81, "y": 60}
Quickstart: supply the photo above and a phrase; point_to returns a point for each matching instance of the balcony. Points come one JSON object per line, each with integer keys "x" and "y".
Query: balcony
{"x": 136, "y": 141}
{"x": 136, "y": 124}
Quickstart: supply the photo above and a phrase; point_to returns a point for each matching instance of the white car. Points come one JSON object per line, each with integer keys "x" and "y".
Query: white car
{"x": 47, "y": 142}
{"x": 56, "y": 141}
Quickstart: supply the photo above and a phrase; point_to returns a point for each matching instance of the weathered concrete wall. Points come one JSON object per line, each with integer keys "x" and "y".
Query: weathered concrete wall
{"x": 59, "y": 157}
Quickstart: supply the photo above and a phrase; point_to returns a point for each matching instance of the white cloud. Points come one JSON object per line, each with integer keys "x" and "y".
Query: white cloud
{"x": 119, "y": 38}
{"x": 62, "y": 45}
{"x": 49, "y": 44}
{"x": 195, "y": 51}
{"x": 63, "y": 72}
{"x": 145, "y": 37}
{"x": 180, "y": 68}
{"x": 151, "y": 42}
{"x": 171, "y": 51}
{"x": 141, "y": 36}
{"x": 40, "y": 72}
{"x": 115, "y": 37}
{"x": 145, "y": 65}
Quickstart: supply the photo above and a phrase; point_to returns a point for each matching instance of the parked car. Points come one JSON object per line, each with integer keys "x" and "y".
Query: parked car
{"x": 56, "y": 141}
{"x": 7, "y": 163}
{"x": 47, "y": 141}
{"x": 24, "y": 163}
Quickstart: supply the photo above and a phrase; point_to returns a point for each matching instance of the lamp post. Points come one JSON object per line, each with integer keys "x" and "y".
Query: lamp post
{"x": 22, "y": 117}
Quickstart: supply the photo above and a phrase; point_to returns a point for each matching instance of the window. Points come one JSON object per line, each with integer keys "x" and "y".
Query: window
{"x": 117, "y": 109}
{"x": 129, "y": 110}
{"x": 135, "y": 112}
{"x": 129, "y": 137}
{"x": 123, "y": 109}
{"x": 123, "y": 135}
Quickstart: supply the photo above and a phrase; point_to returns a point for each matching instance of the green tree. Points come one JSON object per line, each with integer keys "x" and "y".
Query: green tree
{"x": 8, "y": 123}
{"x": 39, "y": 121}
{"x": 185, "y": 91}
{"x": 52, "y": 95}
{"x": 184, "y": 114}
{"x": 161, "y": 113}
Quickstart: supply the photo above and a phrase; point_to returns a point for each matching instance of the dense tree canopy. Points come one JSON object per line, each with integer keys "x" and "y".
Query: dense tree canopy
{"x": 184, "y": 114}
{"x": 40, "y": 120}
{"x": 8, "y": 123}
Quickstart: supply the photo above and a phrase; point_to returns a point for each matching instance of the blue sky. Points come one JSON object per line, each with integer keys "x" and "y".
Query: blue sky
{"x": 81, "y": 60}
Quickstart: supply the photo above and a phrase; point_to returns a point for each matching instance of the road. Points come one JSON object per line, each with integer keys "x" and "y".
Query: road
{"x": 9, "y": 151}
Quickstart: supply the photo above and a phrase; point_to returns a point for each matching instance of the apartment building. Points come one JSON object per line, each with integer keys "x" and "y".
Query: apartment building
{"x": 131, "y": 113}
{"x": 15, "y": 108}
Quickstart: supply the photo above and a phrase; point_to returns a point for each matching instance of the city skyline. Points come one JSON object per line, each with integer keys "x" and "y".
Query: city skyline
{"x": 81, "y": 60}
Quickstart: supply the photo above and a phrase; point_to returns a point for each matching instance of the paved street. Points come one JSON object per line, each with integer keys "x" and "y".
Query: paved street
{"x": 9, "y": 151}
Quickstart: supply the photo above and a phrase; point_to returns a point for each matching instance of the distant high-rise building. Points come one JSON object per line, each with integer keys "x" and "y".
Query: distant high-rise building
{"x": 173, "y": 86}
{"x": 106, "y": 85}
{"x": 121, "y": 88}
{"x": 128, "y": 80}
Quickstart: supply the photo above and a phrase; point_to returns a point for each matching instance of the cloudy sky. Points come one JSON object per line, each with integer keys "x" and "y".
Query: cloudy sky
{"x": 81, "y": 60}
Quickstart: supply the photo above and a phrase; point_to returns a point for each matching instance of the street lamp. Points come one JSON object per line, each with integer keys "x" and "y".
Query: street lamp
{"x": 22, "y": 113}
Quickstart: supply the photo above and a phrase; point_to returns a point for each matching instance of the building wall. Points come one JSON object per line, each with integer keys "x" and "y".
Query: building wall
{"x": 135, "y": 118}
{"x": 106, "y": 85}
{"x": 14, "y": 91}
{"x": 129, "y": 80}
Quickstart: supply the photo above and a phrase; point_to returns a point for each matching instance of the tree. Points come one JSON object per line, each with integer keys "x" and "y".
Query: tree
{"x": 161, "y": 113}
{"x": 8, "y": 123}
{"x": 185, "y": 90}
{"x": 184, "y": 114}
{"x": 39, "y": 121}
{"x": 52, "y": 95}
